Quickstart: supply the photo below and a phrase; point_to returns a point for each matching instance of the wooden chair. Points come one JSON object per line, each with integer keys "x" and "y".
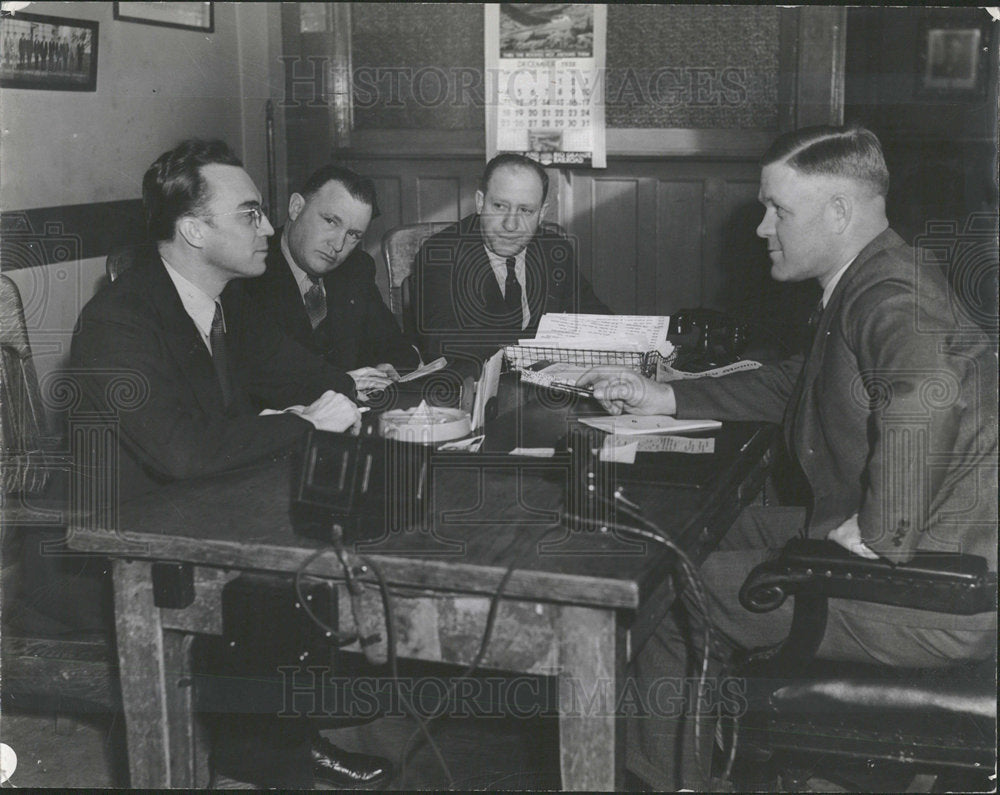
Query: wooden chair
{"x": 399, "y": 249}
{"x": 25, "y": 430}
{"x": 56, "y": 671}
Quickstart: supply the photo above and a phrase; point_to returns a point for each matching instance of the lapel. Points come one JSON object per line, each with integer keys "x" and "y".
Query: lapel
{"x": 535, "y": 276}
{"x": 475, "y": 277}
{"x": 182, "y": 338}
{"x": 286, "y": 290}
{"x": 814, "y": 361}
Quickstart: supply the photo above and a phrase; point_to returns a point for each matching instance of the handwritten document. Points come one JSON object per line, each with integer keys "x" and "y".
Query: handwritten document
{"x": 616, "y": 332}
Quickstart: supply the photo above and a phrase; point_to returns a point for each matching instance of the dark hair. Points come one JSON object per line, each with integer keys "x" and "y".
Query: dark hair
{"x": 361, "y": 188}
{"x": 173, "y": 186}
{"x": 852, "y": 152}
{"x": 511, "y": 159}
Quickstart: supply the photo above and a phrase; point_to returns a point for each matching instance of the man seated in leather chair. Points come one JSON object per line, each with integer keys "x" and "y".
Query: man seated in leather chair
{"x": 485, "y": 281}
{"x": 892, "y": 417}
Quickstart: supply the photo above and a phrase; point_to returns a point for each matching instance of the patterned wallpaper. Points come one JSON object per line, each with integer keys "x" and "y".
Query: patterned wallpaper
{"x": 420, "y": 65}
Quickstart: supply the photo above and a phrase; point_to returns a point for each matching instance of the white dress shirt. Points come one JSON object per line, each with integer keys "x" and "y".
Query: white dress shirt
{"x": 499, "y": 265}
{"x": 302, "y": 279}
{"x": 199, "y": 306}
{"x": 830, "y": 285}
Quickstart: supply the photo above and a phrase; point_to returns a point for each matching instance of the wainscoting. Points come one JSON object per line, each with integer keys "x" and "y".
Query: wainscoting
{"x": 653, "y": 235}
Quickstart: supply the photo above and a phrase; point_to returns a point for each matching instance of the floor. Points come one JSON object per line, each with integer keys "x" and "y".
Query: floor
{"x": 482, "y": 754}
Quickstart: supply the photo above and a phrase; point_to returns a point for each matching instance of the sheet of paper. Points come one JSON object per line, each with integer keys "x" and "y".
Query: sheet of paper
{"x": 656, "y": 444}
{"x": 665, "y": 373}
{"x": 431, "y": 367}
{"x": 534, "y": 452}
{"x": 634, "y": 424}
{"x": 559, "y": 372}
{"x": 486, "y": 388}
{"x": 647, "y": 331}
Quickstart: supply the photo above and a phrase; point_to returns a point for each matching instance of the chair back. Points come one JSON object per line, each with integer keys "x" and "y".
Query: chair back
{"x": 22, "y": 416}
{"x": 399, "y": 249}
{"x": 121, "y": 259}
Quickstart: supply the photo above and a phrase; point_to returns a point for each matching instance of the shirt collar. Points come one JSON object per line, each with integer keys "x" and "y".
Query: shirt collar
{"x": 830, "y": 285}
{"x": 199, "y": 305}
{"x": 302, "y": 279}
{"x": 499, "y": 264}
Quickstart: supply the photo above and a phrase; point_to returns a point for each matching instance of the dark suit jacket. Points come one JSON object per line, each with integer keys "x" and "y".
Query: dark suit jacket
{"x": 141, "y": 362}
{"x": 457, "y": 304}
{"x": 358, "y": 330}
{"x": 894, "y": 415}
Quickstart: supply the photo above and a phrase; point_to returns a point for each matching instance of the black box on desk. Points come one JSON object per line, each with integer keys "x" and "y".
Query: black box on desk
{"x": 367, "y": 485}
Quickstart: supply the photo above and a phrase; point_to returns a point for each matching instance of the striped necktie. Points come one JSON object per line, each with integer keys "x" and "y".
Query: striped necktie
{"x": 315, "y": 300}
{"x": 512, "y": 293}
{"x": 220, "y": 356}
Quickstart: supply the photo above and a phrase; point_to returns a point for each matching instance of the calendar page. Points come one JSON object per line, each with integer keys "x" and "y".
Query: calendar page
{"x": 545, "y": 69}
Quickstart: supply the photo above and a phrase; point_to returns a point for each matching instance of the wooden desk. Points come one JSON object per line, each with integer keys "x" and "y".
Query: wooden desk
{"x": 578, "y": 606}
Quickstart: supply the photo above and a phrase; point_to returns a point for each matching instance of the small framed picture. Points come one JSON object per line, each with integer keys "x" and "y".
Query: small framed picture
{"x": 48, "y": 53}
{"x": 953, "y": 58}
{"x": 189, "y": 16}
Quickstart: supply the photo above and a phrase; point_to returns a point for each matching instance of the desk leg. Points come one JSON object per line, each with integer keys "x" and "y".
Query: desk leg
{"x": 188, "y": 748}
{"x": 141, "y": 671}
{"x": 592, "y": 670}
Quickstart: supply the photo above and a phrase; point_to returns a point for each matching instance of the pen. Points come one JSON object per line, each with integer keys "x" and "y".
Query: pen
{"x": 583, "y": 391}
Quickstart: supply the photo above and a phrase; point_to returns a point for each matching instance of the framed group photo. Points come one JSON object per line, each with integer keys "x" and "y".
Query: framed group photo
{"x": 48, "y": 53}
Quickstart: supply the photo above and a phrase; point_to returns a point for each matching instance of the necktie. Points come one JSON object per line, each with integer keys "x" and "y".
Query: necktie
{"x": 512, "y": 293}
{"x": 220, "y": 356}
{"x": 315, "y": 301}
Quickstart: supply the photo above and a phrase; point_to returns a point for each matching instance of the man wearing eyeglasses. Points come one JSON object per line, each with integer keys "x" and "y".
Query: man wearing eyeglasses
{"x": 320, "y": 285}
{"x": 179, "y": 330}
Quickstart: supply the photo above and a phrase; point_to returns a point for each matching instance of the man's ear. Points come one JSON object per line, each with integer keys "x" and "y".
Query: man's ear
{"x": 480, "y": 201}
{"x": 192, "y": 230}
{"x": 295, "y": 204}
{"x": 841, "y": 208}
{"x": 541, "y": 213}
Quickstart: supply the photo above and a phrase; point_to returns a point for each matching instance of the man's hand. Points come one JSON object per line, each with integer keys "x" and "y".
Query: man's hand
{"x": 331, "y": 412}
{"x": 619, "y": 389}
{"x": 370, "y": 379}
{"x": 848, "y": 535}
{"x": 388, "y": 370}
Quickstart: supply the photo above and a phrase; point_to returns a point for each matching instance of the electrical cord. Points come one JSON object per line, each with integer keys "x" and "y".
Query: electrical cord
{"x": 693, "y": 579}
{"x": 337, "y": 638}
{"x": 483, "y": 644}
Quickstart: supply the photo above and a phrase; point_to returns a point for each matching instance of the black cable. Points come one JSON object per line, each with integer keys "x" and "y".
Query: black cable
{"x": 390, "y": 632}
{"x": 693, "y": 579}
{"x": 484, "y": 643}
{"x": 337, "y": 638}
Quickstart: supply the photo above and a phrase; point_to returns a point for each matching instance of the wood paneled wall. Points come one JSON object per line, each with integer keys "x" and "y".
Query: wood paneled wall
{"x": 653, "y": 236}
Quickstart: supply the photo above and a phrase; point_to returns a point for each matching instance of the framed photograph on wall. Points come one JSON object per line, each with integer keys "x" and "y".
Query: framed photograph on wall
{"x": 49, "y": 53}
{"x": 189, "y": 16}
{"x": 953, "y": 58}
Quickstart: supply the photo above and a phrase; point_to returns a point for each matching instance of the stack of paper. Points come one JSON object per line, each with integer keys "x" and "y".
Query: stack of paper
{"x": 613, "y": 339}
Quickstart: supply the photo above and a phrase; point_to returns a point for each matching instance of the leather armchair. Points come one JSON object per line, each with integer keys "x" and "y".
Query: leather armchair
{"x": 868, "y": 720}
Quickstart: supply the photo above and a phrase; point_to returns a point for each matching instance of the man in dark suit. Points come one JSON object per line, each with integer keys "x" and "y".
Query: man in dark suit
{"x": 319, "y": 287}
{"x": 172, "y": 352}
{"x": 486, "y": 281}
{"x": 889, "y": 369}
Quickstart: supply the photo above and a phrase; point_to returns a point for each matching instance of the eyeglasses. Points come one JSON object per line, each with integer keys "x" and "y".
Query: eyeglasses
{"x": 257, "y": 215}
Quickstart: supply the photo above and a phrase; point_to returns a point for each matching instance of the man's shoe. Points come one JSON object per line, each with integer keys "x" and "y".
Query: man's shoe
{"x": 347, "y": 770}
